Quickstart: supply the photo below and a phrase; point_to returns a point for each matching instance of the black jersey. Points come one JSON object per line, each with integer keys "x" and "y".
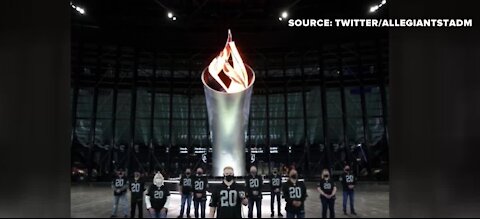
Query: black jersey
{"x": 294, "y": 192}
{"x": 119, "y": 183}
{"x": 158, "y": 196}
{"x": 326, "y": 186}
{"x": 200, "y": 185}
{"x": 228, "y": 200}
{"x": 186, "y": 184}
{"x": 253, "y": 186}
{"x": 136, "y": 188}
{"x": 347, "y": 179}
{"x": 275, "y": 182}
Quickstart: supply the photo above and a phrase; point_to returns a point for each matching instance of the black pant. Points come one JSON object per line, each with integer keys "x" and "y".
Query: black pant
{"x": 274, "y": 194}
{"x": 328, "y": 204}
{"x": 258, "y": 203}
{"x": 133, "y": 204}
{"x": 199, "y": 203}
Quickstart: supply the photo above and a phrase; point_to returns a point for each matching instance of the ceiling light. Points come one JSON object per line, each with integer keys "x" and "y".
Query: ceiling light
{"x": 284, "y": 14}
{"x": 170, "y": 14}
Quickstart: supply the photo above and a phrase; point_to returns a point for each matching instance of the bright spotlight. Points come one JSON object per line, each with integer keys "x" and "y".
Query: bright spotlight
{"x": 373, "y": 8}
{"x": 384, "y": 2}
{"x": 170, "y": 14}
{"x": 284, "y": 14}
{"x": 174, "y": 18}
{"x": 280, "y": 19}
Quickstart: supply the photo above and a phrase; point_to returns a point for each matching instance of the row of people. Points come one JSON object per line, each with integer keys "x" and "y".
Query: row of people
{"x": 227, "y": 198}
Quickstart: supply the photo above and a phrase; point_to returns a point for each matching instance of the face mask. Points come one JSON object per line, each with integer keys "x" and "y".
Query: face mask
{"x": 199, "y": 173}
{"x": 325, "y": 176}
{"x": 229, "y": 178}
{"x": 188, "y": 173}
{"x": 347, "y": 170}
{"x": 253, "y": 173}
{"x": 274, "y": 173}
{"x": 294, "y": 176}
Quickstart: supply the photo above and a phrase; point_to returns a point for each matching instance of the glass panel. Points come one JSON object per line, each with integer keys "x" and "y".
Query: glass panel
{"x": 161, "y": 131}
{"x": 82, "y": 131}
{"x": 105, "y": 104}
{"x": 314, "y": 116}
{"x": 85, "y": 102}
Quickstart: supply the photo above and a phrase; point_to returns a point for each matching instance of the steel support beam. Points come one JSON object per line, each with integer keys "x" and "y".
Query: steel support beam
{"x": 285, "y": 99}
{"x": 343, "y": 101}
{"x": 306, "y": 148}
{"x": 323, "y": 93}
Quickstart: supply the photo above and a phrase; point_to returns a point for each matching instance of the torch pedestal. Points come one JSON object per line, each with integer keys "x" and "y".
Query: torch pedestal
{"x": 228, "y": 119}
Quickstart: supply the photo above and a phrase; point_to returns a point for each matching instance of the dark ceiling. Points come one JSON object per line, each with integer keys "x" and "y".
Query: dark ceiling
{"x": 203, "y": 24}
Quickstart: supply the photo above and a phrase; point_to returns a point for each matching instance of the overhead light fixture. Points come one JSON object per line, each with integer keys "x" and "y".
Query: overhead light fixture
{"x": 77, "y": 8}
{"x": 174, "y": 18}
{"x": 280, "y": 19}
{"x": 170, "y": 14}
{"x": 376, "y": 7}
{"x": 284, "y": 14}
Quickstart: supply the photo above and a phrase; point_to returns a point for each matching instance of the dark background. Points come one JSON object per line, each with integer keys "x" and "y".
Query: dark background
{"x": 434, "y": 111}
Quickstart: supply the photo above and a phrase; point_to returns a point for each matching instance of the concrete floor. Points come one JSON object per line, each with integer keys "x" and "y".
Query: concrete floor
{"x": 371, "y": 200}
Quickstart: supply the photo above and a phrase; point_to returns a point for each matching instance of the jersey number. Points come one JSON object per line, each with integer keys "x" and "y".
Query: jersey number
{"x": 228, "y": 198}
{"x": 254, "y": 183}
{"x": 158, "y": 194}
{"x": 275, "y": 182}
{"x": 349, "y": 178}
{"x": 198, "y": 185}
{"x": 295, "y": 192}
{"x": 118, "y": 182}
{"x": 135, "y": 187}
{"x": 187, "y": 182}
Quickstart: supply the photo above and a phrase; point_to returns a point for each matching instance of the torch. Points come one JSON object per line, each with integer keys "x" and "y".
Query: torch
{"x": 228, "y": 85}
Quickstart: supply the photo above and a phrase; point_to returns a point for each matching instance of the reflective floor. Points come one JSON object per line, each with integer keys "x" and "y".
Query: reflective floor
{"x": 371, "y": 200}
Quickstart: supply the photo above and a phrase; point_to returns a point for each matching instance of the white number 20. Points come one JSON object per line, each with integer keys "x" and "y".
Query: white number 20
{"x": 228, "y": 198}
{"x": 295, "y": 192}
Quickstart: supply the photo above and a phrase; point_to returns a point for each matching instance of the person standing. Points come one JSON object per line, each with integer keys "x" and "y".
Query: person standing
{"x": 200, "y": 185}
{"x": 157, "y": 198}
{"x": 348, "y": 183}
{"x": 228, "y": 197}
{"x": 275, "y": 186}
{"x": 254, "y": 185}
{"x": 186, "y": 191}
{"x": 120, "y": 187}
{"x": 327, "y": 190}
{"x": 295, "y": 193}
{"x": 137, "y": 187}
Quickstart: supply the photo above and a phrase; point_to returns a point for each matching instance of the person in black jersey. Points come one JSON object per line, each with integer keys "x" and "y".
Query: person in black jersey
{"x": 200, "y": 185}
{"x": 186, "y": 191}
{"x": 228, "y": 197}
{"x": 120, "y": 187}
{"x": 327, "y": 190}
{"x": 348, "y": 183}
{"x": 254, "y": 184}
{"x": 137, "y": 187}
{"x": 157, "y": 199}
{"x": 295, "y": 193}
{"x": 275, "y": 186}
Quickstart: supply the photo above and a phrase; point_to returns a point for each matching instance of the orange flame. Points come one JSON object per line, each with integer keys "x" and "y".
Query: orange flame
{"x": 231, "y": 78}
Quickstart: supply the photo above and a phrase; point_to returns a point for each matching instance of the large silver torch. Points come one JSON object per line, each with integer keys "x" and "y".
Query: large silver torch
{"x": 228, "y": 86}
